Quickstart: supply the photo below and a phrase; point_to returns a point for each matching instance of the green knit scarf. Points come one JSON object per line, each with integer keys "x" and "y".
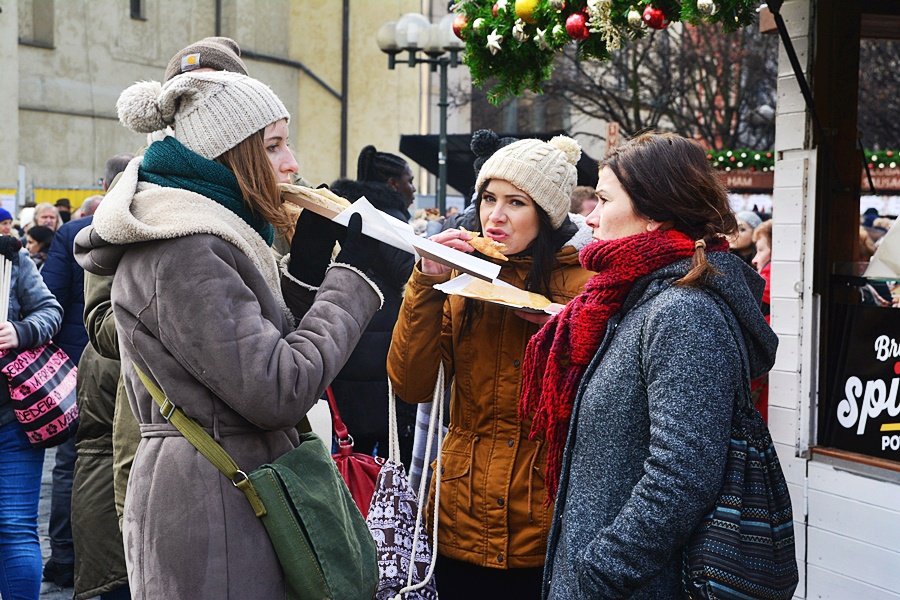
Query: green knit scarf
{"x": 169, "y": 163}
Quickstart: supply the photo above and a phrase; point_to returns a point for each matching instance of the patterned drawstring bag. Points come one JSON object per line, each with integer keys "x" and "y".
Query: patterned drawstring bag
{"x": 406, "y": 559}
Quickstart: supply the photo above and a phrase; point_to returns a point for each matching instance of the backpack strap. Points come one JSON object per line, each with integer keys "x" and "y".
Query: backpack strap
{"x": 746, "y": 400}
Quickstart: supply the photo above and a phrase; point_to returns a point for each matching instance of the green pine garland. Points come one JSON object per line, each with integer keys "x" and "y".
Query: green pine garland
{"x": 742, "y": 158}
{"x": 520, "y": 65}
{"x": 764, "y": 160}
{"x": 883, "y": 159}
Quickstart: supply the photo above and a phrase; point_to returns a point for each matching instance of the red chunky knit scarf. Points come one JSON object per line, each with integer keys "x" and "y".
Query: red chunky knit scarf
{"x": 558, "y": 355}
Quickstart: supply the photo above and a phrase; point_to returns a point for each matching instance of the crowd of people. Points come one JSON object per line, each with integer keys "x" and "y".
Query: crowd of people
{"x": 584, "y": 443}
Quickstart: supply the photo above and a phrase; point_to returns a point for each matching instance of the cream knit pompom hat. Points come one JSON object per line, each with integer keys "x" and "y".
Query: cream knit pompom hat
{"x": 210, "y": 112}
{"x": 543, "y": 170}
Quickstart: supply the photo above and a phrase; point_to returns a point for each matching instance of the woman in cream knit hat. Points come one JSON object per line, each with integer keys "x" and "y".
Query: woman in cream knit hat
{"x": 494, "y": 510}
{"x": 201, "y": 307}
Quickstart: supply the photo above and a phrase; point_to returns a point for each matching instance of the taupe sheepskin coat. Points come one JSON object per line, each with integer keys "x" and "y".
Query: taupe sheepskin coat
{"x": 199, "y": 307}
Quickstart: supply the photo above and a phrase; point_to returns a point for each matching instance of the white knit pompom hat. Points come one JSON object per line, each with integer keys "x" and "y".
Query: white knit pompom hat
{"x": 210, "y": 112}
{"x": 543, "y": 170}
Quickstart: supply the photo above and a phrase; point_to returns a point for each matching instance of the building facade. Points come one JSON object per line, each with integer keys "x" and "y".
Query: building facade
{"x": 64, "y": 63}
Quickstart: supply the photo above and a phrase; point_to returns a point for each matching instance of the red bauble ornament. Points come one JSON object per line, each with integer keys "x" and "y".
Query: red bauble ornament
{"x": 576, "y": 26}
{"x": 655, "y": 18}
{"x": 459, "y": 23}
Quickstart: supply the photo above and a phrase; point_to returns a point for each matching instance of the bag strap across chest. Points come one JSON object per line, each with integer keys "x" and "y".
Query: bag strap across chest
{"x": 203, "y": 442}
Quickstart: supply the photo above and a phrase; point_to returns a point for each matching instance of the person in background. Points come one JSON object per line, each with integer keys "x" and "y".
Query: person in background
{"x": 64, "y": 209}
{"x": 6, "y": 223}
{"x": 361, "y": 387}
{"x": 46, "y": 214}
{"x": 65, "y": 279}
{"x": 89, "y": 206}
{"x": 494, "y": 507}
{"x": 38, "y": 241}
{"x": 741, "y": 241}
{"x": 762, "y": 260}
{"x": 387, "y": 168}
{"x": 34, "y": 317}
{"x": 99, "y": 567}
{"x": 633, "y": 384}
{"x": 584, "y": 200}
{"x": 175, "y": 285}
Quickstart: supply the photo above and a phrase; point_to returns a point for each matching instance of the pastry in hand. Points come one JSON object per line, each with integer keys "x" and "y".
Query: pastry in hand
{"x": 485, "y": 245}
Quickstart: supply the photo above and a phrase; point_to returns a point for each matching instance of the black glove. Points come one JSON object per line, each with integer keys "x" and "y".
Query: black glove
{"x": 311, "y": 247}
{"x": 9, "y": 248}
{"x": 357, "y": 250}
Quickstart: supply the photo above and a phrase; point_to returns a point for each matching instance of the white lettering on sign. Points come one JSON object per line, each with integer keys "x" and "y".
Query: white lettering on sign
{"x": 886, "y": 347}
{"x": 890, "y": 441}
{"x": 876, "y": 399}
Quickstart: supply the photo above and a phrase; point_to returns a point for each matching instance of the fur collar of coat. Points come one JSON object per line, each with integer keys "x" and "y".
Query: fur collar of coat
{"x": 133, "y": 212}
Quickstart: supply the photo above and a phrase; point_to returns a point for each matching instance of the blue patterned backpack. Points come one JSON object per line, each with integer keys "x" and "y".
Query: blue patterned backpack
{"x": 744, "y": 547}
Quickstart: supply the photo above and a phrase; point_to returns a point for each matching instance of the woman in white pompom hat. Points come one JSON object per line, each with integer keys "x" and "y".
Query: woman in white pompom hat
{"x": 203, "y": 309}
{"x": 494, "y": 510}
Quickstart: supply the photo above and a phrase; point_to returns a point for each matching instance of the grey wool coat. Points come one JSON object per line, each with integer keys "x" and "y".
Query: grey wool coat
{"x": 198, "y": 306}
{"x": 645, "y": 454}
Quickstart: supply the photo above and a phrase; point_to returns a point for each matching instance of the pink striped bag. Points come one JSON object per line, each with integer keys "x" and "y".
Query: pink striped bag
{"x": 42, "y": 388}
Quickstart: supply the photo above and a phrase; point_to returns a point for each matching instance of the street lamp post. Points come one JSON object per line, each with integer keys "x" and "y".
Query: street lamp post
{"x": 439, "y": 48}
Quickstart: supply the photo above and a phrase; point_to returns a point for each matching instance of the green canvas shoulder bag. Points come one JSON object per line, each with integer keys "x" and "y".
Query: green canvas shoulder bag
{"x": 318, "y": 533}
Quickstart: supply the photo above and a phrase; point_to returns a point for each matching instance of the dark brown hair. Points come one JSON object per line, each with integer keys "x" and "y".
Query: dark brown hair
{"x": 669, "y": 178}
{"x": 542, "y": 250}
{"x": 256, "y": 178}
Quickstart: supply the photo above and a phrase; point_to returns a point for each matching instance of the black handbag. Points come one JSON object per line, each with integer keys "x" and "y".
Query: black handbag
{"x": 744, "y": 547}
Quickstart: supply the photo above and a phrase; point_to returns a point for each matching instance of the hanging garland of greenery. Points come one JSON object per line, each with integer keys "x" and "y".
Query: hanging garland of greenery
{"x": 512, "y": 43}
{"x": 742, "y": 158}
{"x": 764, "y": 160}
{"x": 883, "y": 159}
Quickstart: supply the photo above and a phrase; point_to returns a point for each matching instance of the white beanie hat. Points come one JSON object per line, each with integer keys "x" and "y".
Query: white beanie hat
{"x": 543, "y": 170}
{"x": 210, "y": 112}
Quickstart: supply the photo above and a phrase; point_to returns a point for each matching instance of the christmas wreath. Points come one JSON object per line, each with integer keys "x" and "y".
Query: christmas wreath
{"x": 513, "y": 43}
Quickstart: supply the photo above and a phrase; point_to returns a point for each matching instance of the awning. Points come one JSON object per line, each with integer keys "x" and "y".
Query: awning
{"x": 423, "y": 149}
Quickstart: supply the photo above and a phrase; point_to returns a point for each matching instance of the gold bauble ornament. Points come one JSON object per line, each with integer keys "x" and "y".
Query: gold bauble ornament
{"x": 525, "y": 10}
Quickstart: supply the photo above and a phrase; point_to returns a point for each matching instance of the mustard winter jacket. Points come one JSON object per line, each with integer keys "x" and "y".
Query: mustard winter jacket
{"x": 493, "y": 505}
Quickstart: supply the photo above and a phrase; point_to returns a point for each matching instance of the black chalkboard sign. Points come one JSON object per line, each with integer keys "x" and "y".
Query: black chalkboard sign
{"x": 863, "y": 413}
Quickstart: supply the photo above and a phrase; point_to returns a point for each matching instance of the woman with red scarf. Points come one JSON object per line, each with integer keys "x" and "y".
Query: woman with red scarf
{"x": 632, "y": 385}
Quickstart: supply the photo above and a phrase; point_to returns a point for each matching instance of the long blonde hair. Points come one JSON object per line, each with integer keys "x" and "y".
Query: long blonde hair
{"x": 259, "y": 186}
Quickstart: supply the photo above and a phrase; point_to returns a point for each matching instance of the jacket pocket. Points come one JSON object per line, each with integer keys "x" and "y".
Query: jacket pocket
{"x": 454, "y": 491}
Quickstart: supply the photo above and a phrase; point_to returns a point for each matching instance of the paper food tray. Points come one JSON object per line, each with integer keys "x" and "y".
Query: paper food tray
{"x": 495, "y": 293}
{"x": 387, "y": 229}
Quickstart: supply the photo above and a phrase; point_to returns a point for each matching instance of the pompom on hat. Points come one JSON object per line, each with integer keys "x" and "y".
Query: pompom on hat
{"x": 217, "y": 53}
{"x": 543, "y": 170}
{"x": 210, "y": 112}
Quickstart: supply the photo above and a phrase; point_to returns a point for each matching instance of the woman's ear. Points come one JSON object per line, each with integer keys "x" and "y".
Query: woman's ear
{"x": 657, "y": 225}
